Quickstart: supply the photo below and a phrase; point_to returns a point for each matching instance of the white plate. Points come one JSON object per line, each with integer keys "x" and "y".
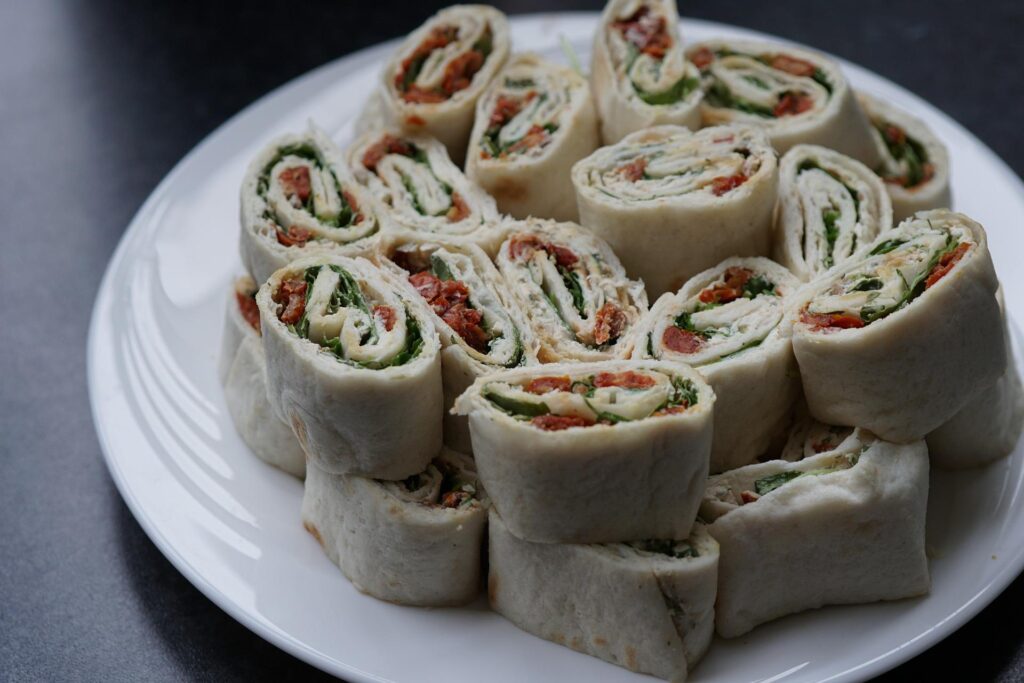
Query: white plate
{"x": 231, "y": 524}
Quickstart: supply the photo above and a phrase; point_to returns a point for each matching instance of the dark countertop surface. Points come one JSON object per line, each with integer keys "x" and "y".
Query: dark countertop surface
{"x": 98, "y": 100}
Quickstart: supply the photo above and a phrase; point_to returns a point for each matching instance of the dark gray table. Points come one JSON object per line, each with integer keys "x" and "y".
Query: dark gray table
{"x": 98, "y": 100}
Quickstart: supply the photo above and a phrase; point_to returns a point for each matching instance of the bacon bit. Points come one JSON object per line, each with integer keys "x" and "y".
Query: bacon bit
{"x": 748, "y": 497}
{"x": 791, "y": 104}
{"x": 673, "y": 410}
{"x": 535, "y": 137}
{"x": 388, "y": 144}
{"x": 627, "y": 380}
{"x": 543, "y": 385}
{"x": 459, "y": 210}
{"x": 505, "y": 109}
{"x": 730, "y": 289}
{"x": 249, "y": 310}
{"x": 723, "y": 184}
{"x": 681, "y": 341}
{"x": 554, "y": 423}
{"x": 458, "y": 75}
{"x": 634, "y": 170}
{"x": 646, "y": 31}
{"x": 291, "y": 293}
{"x": 438, "y": 38}
{"x": 454, "y": 499}
{"x": 295, "y": 183}
{"x": 824, "y": 321}
{"x": 792, "y": 65}
{"x": 608, "y": 323}
{"x": 702, "y": 58}
{"x": 946, "y": 264}
{"x": 386, "y": 315}
{"x": 895, "y": 135}
{"x": 466, "y": 323}
{"x": 295, "y": 236}
{"x": 521, "y": 247}
{"x": 354, "y": 205}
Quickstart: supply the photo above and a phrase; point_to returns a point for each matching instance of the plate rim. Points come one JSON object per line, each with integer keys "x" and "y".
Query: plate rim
{"x": 1011, "y": 568}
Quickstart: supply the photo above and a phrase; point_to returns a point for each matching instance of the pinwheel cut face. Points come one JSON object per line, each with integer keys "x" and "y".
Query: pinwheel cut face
{"x": 736, "y": 311}
{"x": 448, "y": 281}
{"x": 306, "y": 201}
{"x": 557, "y": 402}
{"x": 412, "y": 178}
{"x": 579, "y": 288}
{"x": 362, "y": 324}
{"x": 648, "y": 56}
{"x": 526, "y": 111}
{"x": 713, "y": 162}
{"x": 834, "y": 203}
{"x": 442, "y": 485}
{"x": 901, "y": 265}
{"x": 762, "y": 86}
{"x": 745, "y": 490}
{"x": 445, "y": 62}
{"x": 906, "y": 162}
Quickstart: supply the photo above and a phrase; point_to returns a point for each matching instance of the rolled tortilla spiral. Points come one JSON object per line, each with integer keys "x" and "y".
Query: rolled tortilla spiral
{"x": 639, "y": 75}
{"x": 533, "y": 123}
{"x": 829, "y": 207}
{"x": 298, "y": 197}
{"x": 431, "y": 85}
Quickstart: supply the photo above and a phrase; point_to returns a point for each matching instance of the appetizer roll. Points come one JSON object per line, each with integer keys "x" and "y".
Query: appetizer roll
{"x": 482, "y": 328}
{"x": 353, "y": 365}
{"x": 592, "y": 452}
{"x": 905, "y": 334}
{"x": 798, "y": 96}
{"x": 638, "y": 72}
{"x": 829, "y": 207}
{"x": 844, "y": 526}
{"x": 807, "y": 437}
{"x": 298, "y": 197}
{"x": 725, "y": 322}
{"x": 416, "y": 541}
{"x": 989, "y": 426}
{"x": 575, "y": 292}
{"x": 646, "y": 605}
{"x": 431, "y": 85}
{"x": 672, "y": 203}
{"x": 420, "y": 189}
{"x": 914, "y": 165}
{"x": 244, "y": 378}
{"x": 533, "y": 123}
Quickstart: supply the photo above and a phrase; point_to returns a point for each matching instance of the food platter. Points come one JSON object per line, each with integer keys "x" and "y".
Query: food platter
{"x": 231, "y": 524}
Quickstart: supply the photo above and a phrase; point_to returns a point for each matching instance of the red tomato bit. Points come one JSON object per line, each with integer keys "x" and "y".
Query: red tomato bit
{"x": 681, "y": 341}
{"x": 249, "y": 310}
{"x": 386, "y": 314}
{"x": 543, "y": 385}
{"x": 459, "y": 210}
{"x": 295, "y": 236}
{"x": 946, "y": 263}
{"x": 791, "y": 104}
{"x": 291, "y": 293}
{"x": 554, "y": 423}
{"x": 792, "y": 65}
{"x": 824, "y": 321}
{"x": 723, "y": 184}
{"x": 730, "y": 289}
{"x": 702, "y": 58}
{"x": 627, "y": 380}
{"x": 647, "y": 32}
{"x": 295, "y": 183}
{"x": 608, "y": 324}
{"x": 388, "y": 144}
